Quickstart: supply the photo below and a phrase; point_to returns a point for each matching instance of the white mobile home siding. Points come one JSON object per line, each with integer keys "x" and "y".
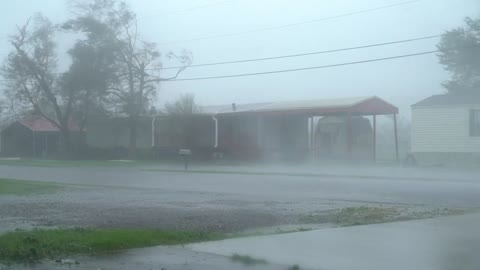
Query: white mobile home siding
{"x": 443, "y": 129}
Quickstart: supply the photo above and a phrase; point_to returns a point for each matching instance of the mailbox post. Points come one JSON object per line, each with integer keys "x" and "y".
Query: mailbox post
{"x": 185, "y": 153}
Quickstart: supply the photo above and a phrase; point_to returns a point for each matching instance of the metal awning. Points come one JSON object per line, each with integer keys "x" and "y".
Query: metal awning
{"x": 341, "y": 106}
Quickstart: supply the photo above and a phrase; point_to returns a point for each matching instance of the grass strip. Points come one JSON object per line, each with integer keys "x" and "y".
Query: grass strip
{"x": 32, "y": 246}
{"x": 77, "y": 163}
{"x": 21, "y": 187}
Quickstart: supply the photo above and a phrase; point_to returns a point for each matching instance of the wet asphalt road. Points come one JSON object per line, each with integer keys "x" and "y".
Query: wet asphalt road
{"x": 115, "y": 197}
{"x": 187, "y": 186}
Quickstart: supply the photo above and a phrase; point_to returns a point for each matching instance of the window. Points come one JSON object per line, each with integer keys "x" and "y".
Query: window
{"x": 475, "y": 123}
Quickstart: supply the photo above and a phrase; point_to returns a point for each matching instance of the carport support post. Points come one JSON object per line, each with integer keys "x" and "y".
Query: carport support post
{"x": 396, "y": 136}
{"x": 312, "y": 138}
{"x": 374, "y": 138}
{"x": 349, "y": 135}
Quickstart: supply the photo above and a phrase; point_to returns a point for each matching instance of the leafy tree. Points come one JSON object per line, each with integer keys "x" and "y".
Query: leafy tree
{"x": 137, "y": 63}
{"x": 33, "y": 83}
{"x": 35, "y": 86}
{"x": 89, "y": 75}
{"x": 460, "y": 54}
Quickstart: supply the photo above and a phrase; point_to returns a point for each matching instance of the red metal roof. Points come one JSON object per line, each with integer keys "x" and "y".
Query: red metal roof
{"x": 355, "y": 106}
{"x": 40, "y": 124}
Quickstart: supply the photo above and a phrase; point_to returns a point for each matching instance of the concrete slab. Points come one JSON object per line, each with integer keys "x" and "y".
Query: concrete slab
{"x": 436, "y": 244}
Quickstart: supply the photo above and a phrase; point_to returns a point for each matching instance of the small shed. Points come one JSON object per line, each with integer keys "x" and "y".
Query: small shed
{"x": 32, "y": 136}
{"x": 446, "y": 129}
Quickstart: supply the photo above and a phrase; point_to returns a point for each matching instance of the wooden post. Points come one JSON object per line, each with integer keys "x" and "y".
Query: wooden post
{"x": 374, "y": 138}
{"x": 396, "y": 136}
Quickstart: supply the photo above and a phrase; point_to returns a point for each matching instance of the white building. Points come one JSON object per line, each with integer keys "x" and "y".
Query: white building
{"x": 446, "y": 129}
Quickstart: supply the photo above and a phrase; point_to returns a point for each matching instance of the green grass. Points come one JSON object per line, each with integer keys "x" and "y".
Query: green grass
{"x": 294, "y": 174}
{"x": 264, "y": 233}
{"x": 354, "y": 216}
{"x": 23, "y": 246}
{"x": 363, "y": 215}
{"x": 20, "y": 187}
{"x": 250, "y": 173}
{"x": 247, "y": 260}
{"x": 75, "y": 163}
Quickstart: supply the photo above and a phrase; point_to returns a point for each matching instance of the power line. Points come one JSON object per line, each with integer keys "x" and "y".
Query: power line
{"x": 300, "y": 54}
{"x": 295, "y": 24}
{"x": 304, "y": 54}
{"x": 308, "y": 68}
{"x": 302, "y": 69}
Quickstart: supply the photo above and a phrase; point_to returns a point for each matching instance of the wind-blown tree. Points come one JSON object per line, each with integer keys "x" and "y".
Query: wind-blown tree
{"x": 89, "y": 76}
{"x": 32, "y": 81}
{"x": 35, "y": 86}
{"x": 460, "y": 54}
{"x": 137, "y": 63}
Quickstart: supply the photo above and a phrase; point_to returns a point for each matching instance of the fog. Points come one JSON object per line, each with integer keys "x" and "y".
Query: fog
{"x": 176, "y": 25}
{"x": 274, "y": 134}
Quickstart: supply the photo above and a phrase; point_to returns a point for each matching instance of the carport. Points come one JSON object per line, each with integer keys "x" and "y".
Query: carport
{"x": 256, "y": 126}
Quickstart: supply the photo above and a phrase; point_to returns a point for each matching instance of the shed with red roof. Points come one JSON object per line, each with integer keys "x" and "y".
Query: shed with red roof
{"x": 32, "y": 136}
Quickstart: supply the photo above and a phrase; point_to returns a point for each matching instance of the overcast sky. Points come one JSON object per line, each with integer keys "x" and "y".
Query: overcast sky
{"x": 175, "y": 24}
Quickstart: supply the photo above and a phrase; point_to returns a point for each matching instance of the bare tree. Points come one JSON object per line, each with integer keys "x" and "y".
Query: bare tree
{"x": 138, "y": 63}
{"x": 184, "y": 105}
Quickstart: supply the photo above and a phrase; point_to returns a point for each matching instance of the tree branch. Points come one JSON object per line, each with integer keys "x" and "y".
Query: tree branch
{"x": 180, "y": 70}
